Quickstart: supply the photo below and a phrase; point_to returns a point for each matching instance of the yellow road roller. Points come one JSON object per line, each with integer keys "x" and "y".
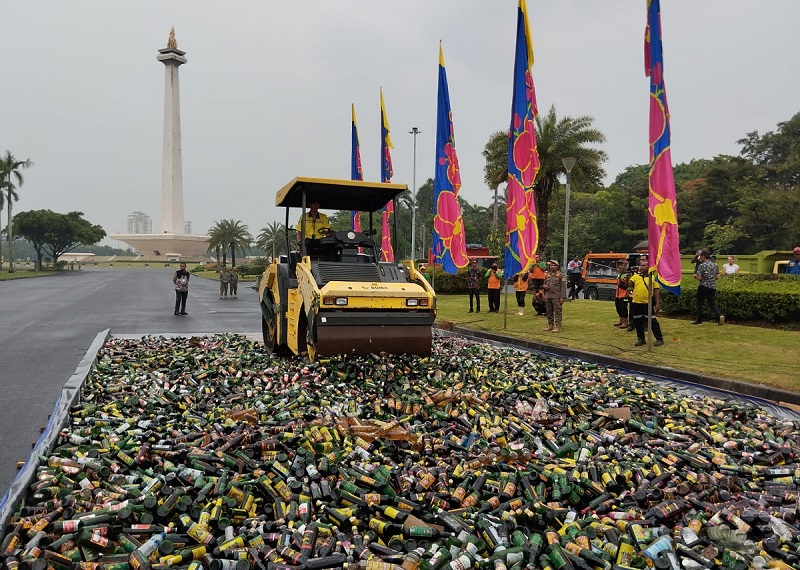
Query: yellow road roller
{"x": 332, "y": 294}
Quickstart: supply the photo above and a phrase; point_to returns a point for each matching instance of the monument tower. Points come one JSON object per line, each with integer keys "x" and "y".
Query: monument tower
{"x": 172, "y": 173}
{"x": 173, "y": 240}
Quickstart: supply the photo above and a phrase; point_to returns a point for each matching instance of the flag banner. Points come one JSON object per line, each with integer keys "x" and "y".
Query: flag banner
{"x": 664, "y": 254}
{"x": 522, "y": 235}
{"x": 449, "y": 239}
{"x": 387, "y": 251}
{"x": 355, "y": 167}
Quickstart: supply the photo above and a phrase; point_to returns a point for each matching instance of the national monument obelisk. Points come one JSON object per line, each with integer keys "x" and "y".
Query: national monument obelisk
{"x": 172, "y": 169}
{"x": 172, "y": 240}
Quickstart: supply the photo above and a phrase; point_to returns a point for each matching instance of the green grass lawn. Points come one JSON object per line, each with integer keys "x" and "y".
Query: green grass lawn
{"x": 754, "y": 354}
{"x": 21, "y": 273}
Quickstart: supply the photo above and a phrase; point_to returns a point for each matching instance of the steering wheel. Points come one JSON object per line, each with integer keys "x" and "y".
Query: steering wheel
{"x": 325, "y": 232}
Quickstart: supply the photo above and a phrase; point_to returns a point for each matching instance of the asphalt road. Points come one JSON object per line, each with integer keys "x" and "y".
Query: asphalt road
{"x": 48, "y": 323}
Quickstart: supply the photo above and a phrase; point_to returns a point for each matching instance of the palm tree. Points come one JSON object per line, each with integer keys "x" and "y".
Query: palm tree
{"x": 230, "y": 235}
{"x": 238, "y": 238}
{"x": 217, "y": 242}
{"x": 556, "y": 138}
{"x": 495, "y": 171}
{"x": 272, "y": 236}
{"x": 10, "y": 168}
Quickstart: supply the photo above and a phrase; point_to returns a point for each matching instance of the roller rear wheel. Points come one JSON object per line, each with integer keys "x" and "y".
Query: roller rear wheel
{"x": 269, "y": 330}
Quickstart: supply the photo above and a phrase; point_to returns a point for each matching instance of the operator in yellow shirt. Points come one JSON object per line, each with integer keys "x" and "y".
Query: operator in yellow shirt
{"x": 315, "y": 220}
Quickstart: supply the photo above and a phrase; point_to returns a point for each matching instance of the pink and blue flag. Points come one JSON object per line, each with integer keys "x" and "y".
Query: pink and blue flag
{"x": 522, "y": 234}
{"x": 355, "y": 167}
{"x": 449, "y": 239}
{"x": 662, "y": 216}
{"x": 387, "y": 251}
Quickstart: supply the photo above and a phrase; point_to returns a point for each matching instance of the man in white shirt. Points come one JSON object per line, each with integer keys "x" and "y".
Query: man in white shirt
{"x": 574, "y": 269}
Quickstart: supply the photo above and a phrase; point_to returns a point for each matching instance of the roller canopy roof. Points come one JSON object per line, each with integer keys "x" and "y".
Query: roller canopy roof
{"x": 338, "y": 194}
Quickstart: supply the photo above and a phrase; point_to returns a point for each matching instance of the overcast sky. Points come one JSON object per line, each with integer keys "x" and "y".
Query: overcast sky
{"x": 266, "y": 93}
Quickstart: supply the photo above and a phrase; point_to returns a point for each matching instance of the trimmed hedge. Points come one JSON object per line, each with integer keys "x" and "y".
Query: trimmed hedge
{"x": 254, "y": 268}
{"x": 772, "y": 298}
{"x": 448, "y": 284}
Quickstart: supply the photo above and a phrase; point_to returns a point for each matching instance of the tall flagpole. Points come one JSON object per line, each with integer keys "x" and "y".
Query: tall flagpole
{"x": 649, "y": 311}
{"x": 414, "y": 132}
{"x": 522, "y": 234}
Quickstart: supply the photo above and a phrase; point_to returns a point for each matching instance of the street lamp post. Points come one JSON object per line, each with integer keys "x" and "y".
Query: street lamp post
{"x": 414, "y": 132}
{"x": 568, "y": 162}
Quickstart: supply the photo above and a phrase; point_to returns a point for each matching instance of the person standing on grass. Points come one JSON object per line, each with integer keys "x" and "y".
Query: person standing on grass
{"x": 474, "y": 285}
{"x": 706, "y": 273}
{"x": 494, "y": 280}
{"x": 520, "y": 281}
{"x": 621, "y": 300}
{"x": 555, "y": 293}
{"x": 181, "y": 281}
{"x": 574, "y": 269}
{"x": 639, "y": 283}
{"x": 538, "y": 272}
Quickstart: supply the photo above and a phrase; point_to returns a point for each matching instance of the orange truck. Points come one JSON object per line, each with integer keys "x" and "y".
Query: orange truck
{"x": 600, "y": 273}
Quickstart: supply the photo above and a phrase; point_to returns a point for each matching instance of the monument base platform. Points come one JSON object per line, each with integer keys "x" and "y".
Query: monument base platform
{"x": 162, "y": 245}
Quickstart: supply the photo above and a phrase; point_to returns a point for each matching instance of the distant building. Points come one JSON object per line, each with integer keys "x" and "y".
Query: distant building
{"x": 139, "y": 223}
{"x": 187, "y": 227}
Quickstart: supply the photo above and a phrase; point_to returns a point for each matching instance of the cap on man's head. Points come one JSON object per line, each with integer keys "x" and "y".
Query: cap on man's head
{"x": 554, "y": 262}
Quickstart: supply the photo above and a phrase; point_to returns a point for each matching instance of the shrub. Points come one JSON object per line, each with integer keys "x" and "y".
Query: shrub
{"x": 255, "y": 268}
{"x": 448, "y": 284}
{"x": 773, "y": 298}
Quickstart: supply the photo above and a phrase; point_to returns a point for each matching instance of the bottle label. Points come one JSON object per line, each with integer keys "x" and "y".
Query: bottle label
{"x": 625, "y": 554}
{"x": 463, "y": 562}
{"x": 661, "y": 545}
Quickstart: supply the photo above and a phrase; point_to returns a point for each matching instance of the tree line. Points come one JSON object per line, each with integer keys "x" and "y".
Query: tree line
{"x": 732, "y": 204}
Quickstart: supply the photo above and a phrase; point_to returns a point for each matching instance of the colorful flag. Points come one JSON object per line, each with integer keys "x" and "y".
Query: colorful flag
{"x": 522, "y": 235}
{"x": 387, "y": 251}
{"x": 355, "y": 168}
{"x": 449, "y": 239}
{"x": 662, "y": 216}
